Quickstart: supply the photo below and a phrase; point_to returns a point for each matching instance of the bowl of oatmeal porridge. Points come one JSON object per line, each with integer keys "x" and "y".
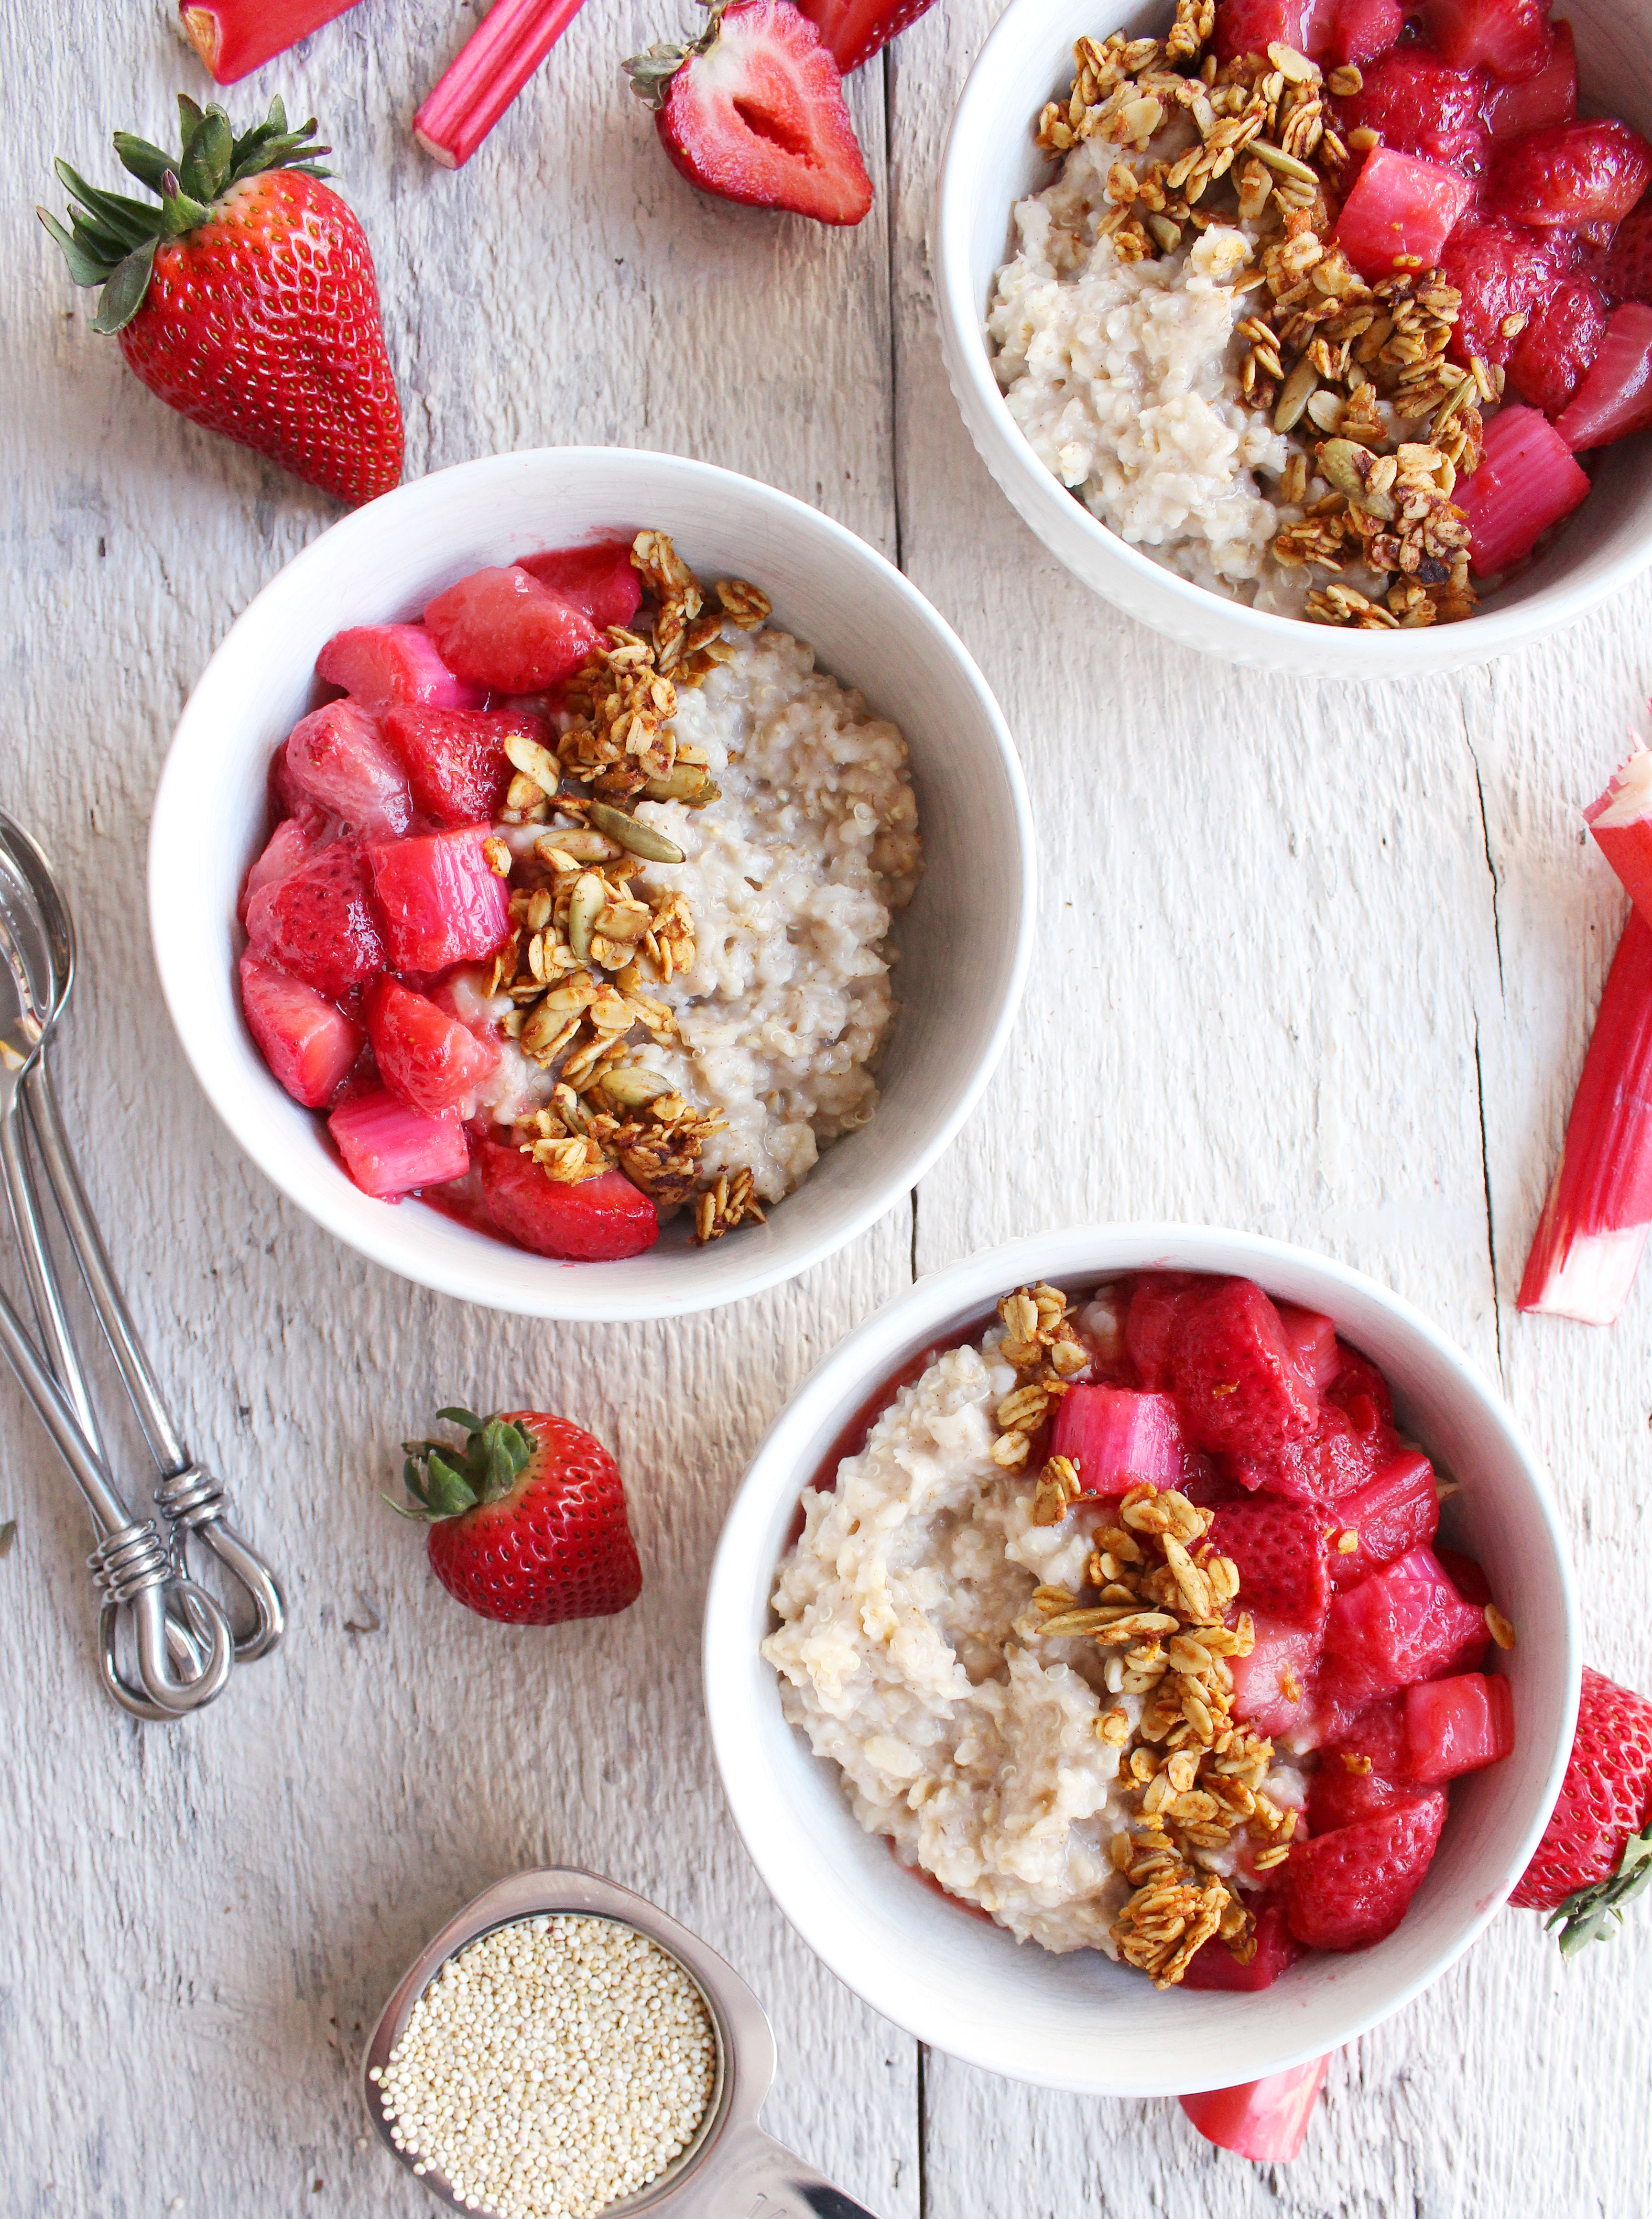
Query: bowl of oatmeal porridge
{"x": 930, "y": 1790}
{"x": 534, "y": 1062}
{"x": 1107, "y": 394}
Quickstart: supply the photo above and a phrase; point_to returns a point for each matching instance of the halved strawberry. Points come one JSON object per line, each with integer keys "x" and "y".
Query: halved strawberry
{"x": 317, "y": 923}
{"x": 337, "y": 762}
{"x": 455, "y": 759}
{"x": 1350, "y": 1888}
{"x": 307, "y": 1041}
{"x": 590, "y": 1221}
{"x": 1362, "y": 1771}
{"x": 1615, "y": 395}
{"x": 1276, "y": 1951}
{"x": 854, "y": 30}
{"x": 752, "y": 110}
{"x": 601, "y": 579}
{"x": 428, "y": 1059}
{"x": 1502, "y": 270}
{"x": 1556, "y": 347}
{"x": 1237, "y": 1384}
{"x": 1625, "y": 271}
{"x": 1510, "y": 38}
{"x": 1420, "y": 107}
{"x": 503, "y": 630}
{"x": 1569, "y": 175}
{"x": 1532, "y": 103}
{"x": 1279, "y": 1551}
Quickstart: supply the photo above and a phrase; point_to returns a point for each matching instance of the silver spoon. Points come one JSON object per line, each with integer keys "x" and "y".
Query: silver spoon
{"x": 731, "y": 2169}
{"x": 188, "y": 1496}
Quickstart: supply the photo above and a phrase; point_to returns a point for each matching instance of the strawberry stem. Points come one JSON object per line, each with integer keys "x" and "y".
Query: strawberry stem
{"x": 486, "y": 74}
{"x": 1583, "y": 1917}
{"x": 445, "y": 1480}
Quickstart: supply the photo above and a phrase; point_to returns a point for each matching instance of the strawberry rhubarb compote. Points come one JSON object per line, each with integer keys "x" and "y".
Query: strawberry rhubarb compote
{"x": 1328, "y": 296}
{"x": 576, "y": 906}
{"x": 1127, "y": 1625}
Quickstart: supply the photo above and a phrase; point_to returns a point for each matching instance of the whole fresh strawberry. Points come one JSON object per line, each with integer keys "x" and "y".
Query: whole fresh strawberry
{"x": 752, "y": 110}
{"x": 245, "y": 297}
{"x": 527, "y": 1520}
{"x": 1596, "y": 1852}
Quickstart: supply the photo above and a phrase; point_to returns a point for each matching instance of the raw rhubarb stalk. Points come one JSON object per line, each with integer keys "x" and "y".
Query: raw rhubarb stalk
{"x": 1622, "y": 823}
{"x": 489, "y": 71}
{"x": 1594, "y": 1223}
{"x": 1265, "y": 2120}
{"x": 233, "y": 36}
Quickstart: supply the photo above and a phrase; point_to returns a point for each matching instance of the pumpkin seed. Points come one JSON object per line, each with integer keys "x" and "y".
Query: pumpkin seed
{"x": 634, "y": 1086}
{"x": 534, "y": 761}
{"x": 1336, "y": 460}
{"x": 1298, "y": 390}
{"x": 585, "y": 905}
{"x": 638, "y": 839}
{"x": 1277, "y": 159}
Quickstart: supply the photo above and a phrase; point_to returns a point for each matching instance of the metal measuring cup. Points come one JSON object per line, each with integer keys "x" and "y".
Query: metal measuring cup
{"x": 731, "y": 2169}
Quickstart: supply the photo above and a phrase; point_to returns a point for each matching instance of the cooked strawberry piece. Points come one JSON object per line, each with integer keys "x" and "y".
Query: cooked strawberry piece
{"x": 1119, "y": 1439}
{"x": 1534, "y": 103}
{"x": 390, "y": 1150}
{"x": 1155, "y": 1298}
{"x": 1362, "y": 1770}
{"x": 381, "y": 664}
{"x": 427, "y": 1058}
{"x": 504, "y": 630}
{"x": 1215, "y": 1967}
{"x": 1510, "y": 38}
{"x": 1335, "y": 1459}
{"x": 337, "y": 762}
{"x": 1360, "y": 1391}
{"x": 439, "y": 898}
{"x": 1419, "y": 106}
{"x": 1265, "y": 2120}
{"x": 1571, "y": 174}
{"x": 1312, "y": 1339}
{"x": 600, "y": 579}
{"x": 318, "y": 922}
{"x": 291, "y": 843}
{"x": 1237, "y": 1387}
{"x": 1396, "y": 1511}
{"x": 1465, "y": 1575}
{"x": 1527, "y": 483}
{"x": 1350, "y": 1889}
{"x": 760, "y": 117}
{"x": 1459, "y": 1725}
{"x": 1626, "y": 270}
{"x": 455, "y": 761}
{"x": 1615, "y": 397}
{"x": 1556, "y": 347}
{"x": 1363, "y": 30}
{"x": 1270, "y": 1685}
{"x": 1250, "y": 27}
{"x": 1399, "y": 205}
{"x": 1402, "y": 1624}
{"x": 592, "y": 1220}
{"x": 854, "y": 30}
{"x": 1279, "y": 1551}
{"x": 1502, "y": 271}
{"x": 307, "y": 1041}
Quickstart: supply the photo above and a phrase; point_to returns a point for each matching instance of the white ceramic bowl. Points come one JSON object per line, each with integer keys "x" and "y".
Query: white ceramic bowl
{"x": 965, "y": 942}
{"x": 1078, "y": 2022}
{"x": 991, "y": 162}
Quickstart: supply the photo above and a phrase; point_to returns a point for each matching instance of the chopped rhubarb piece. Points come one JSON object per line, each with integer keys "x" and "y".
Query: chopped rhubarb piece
{"x": 1265, "y": 2120}
{"x": 1119, "y": 1439}
{"x": 508, "y": 632}
{"x": 1571, "y": 174}
{"x": 1621, "y": 821}
{"x": 490, "y": 69}
{"x": 1552, "y": 354}
{"x": 1510, "y": 38}
{"x": 1350, "y": 1889}
{"x": 1155, "y": 1299}
{"x": 1361, "y": 1391}
{"x": 389, "y": 1149}
{"x": 307, "y": 1041}
{"x": 1402, "y": 1624}
{"x": 1626, "y": 270}
{"x": 1237, "y": 1388}
{"x": 1528, "y": 480}
{"x": 1503, "y": 271}
{"x": 1215, "y": 1967}
{"x": 455, "y": 759}
{"x": 1616, "y": 396}
{"x": 1362, "y": 1770}
{"x": 1312, "y": 1339}
{"x": 1396, "y": 1511}
{"x": 592, "y": 1220}
{"x": 1593, "y": 1226}
{"x": 380, "y": 665}
{"x": 427, "y": 1058}
{"x": 601, "y": 579}
{"x": 1399, "y": 205}
{"x": 290, "y": 845}
{"x": 1270, "y": 1685}
{"x": 1534, "y": 103}
{"x": 318, "y": 922}
{"x": 234, "y": 36}
{"x": 440, "y": 899}
{"x": 1278, "y": 1550}
{"x": 337, "y": 762}
{"x": 1417, "y": 106}
{"x": 1459, "y": 1725}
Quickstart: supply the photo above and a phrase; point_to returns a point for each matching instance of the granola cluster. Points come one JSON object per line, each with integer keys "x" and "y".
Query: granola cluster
{"x": 584, "y": 943}
{"x": 1355, "y": 375}
{"x": 1158, "y": 1601}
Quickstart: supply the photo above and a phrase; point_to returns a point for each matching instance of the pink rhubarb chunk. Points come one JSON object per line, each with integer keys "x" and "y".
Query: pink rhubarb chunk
{"x": 308, "y": 1043}
{"x": 382, "y": 665}
{"x": 1534, "y": 103}
{"x": 1265, "y": 2120}
{"x": 1616, "y": 395}
{"x": 1402, "y": 1624}
{"x": 389, "y": 1149}
{"x": 1399, "y": 205}
{"x": 1312, "y": 1339}
{"x": 439, "y": 898}
{"x": 1459, "y": 1725}
{"x": 1621, "y": 821}
{"x": 337, "y": 762}
{"x": 1527, "y": 480}
{"x": 1594, "y": 1226}
{"x": 506, "y": 631}
{"x": 1396, "y": 1511}
{"x": 1119, "y": 1439}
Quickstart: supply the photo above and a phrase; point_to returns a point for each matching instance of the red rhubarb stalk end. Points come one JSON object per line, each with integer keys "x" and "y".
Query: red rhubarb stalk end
{"x": 486, "y": 74}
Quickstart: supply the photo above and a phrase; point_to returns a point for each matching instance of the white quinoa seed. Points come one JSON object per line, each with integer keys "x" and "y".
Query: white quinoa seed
{"x": 552, "y": 2068}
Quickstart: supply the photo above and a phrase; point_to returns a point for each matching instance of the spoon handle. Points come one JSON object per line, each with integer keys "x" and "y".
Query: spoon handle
{"x": 748, "y": 2175}
{"x": 41, "y": 1272}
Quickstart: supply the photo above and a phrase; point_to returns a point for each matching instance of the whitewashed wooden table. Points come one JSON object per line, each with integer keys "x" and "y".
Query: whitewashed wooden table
{"x": 1314, "y": 960}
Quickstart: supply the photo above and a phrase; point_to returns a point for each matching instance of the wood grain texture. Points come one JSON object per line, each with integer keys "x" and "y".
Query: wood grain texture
{"x": 1314, "y": 960}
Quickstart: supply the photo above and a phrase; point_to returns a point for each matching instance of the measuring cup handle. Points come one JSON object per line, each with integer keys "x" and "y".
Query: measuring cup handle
{"x": 751, "y": 2176}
